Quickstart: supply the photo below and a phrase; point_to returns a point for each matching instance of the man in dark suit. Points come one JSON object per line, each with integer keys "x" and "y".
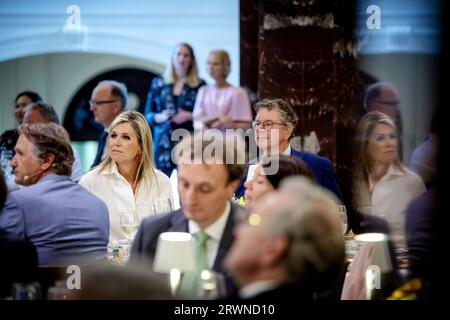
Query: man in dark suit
{"x": 206, "y": 183}
{"x": 109, "y": 98}
{"x": 274, "y": 126}
{"x": 291, "y": 246}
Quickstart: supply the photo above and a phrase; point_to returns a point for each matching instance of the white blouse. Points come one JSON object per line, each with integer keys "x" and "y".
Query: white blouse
{"x": 391, "y": 196}
{"x": 151, "y": 197}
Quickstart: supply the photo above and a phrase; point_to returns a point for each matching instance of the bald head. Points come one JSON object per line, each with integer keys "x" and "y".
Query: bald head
{"x": 382, "y": 97}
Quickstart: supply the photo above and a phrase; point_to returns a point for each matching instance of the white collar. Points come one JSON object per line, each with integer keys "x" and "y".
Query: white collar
{"x": 255, "y": 288}
{"x": 393, "y": 171}
{"x": 214, "y": 230}
{"x": 287, "y": 151}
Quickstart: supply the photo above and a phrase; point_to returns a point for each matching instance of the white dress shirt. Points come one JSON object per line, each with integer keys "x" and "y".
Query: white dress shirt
{"x": 391, "y": 196}
{"x": 215, "y": 232}
{"x": 111, "y": 187}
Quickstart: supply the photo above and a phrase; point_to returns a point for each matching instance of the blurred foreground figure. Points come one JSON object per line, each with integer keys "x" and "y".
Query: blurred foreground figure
{"x": 133, "y": 282}
{"x": 291, "y": 246}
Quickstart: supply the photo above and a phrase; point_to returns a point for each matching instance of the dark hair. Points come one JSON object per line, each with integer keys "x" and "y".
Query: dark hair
{"x": 288, "y": 166}
{"x": 50, "y": 138}
{"x": 3, "y": 189}
{"x": 46, "y": 110}
{"x": 30, "y": 94}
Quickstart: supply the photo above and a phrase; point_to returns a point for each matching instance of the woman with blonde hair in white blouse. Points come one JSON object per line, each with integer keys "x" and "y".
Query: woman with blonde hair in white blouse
{"x": 127, "y": 179}
{"x": 382, "y": 185}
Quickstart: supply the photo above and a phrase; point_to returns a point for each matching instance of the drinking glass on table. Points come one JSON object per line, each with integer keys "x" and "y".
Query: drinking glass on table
{"x": 129, "y": 222}
{"x": 343, "y": 216}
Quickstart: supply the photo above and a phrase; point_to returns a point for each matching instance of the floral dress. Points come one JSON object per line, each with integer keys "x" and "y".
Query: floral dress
{"x": 160, "y": 98}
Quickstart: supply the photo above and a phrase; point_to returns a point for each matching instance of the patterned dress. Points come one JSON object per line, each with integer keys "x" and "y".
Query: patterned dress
{"x": 160, "y": 98}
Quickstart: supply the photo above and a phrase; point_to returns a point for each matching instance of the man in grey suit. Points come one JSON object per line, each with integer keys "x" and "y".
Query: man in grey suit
{"x": 206, "y": 183}
{"x": 66, "y": 223}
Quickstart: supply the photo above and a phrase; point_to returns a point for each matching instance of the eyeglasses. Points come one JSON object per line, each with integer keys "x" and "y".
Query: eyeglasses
{"x": 99, "y": 103}
{"x": 266, "y": 124}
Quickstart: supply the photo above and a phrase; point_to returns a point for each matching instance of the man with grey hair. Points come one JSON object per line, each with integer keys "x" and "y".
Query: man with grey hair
{"x": 108, "y": 99}
{"x": 40, "y": 112}
{"x": 209, "y": 171}
{"x": 274, "y": 126}
{"x": 64, "y": 221}
{"x": 291, "y": 246}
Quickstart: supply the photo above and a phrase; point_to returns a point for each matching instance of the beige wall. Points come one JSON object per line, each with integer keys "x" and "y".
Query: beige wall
{"x": 416, "y": 78}
{"x": 57, "y": 77}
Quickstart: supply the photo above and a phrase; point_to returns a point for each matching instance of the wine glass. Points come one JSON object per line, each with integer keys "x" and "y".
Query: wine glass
{"x": 343, "y": 215}
{"x": 128, "y": 223}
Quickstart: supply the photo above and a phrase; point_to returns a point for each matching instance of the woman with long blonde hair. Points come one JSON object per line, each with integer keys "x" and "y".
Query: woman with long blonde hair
{"x": 382, "y": 185}
{"x": 170, "y": 103}
{"x": 127, "y": 178}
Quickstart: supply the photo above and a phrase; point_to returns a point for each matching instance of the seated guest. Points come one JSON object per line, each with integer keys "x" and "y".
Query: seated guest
{"x": 206, "y": 182}
{"x": 40, "y": 112}
{"x": 9, "y": 138}
{"x": 274, "y": 126}
{"x": 109, "y": 98}
{"x": 221, "y": 105}
{"x": 62, "y": 219}
{"x": 421, "y": 235}
{"x": 127, "y": 177}
{"x": 291, "y": 247}
{"x": 380, "y": 181}
{"x": 264, "y": 181}
{"x": 424, "y": 159}
{"x": 383, "y": 97}
{"x": 18, "y": 257}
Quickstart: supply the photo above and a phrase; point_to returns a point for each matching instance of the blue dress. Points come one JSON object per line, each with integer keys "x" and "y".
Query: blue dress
{"x": 160, "y": 98}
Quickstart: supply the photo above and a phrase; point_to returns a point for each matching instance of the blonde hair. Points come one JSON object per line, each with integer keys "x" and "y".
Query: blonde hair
{"x": 363, "y": 133}
{"x": 224, "y": 58}
{"x": 145, "y": 141}
{"x": 192, "y": 79}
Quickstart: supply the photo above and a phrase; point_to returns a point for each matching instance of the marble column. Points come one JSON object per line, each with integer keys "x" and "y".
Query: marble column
{"x": 306, "y": 54}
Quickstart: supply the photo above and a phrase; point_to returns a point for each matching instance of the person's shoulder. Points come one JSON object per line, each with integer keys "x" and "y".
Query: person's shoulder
{"x": 157, "y": 82}
{"x": 90, "y": 176}
{"x": 160, "y": 222}
{"x": 311, "y": 157}
{"x": 161, "y": 177}
{"x": 238, "y": 90}
{"x": 412, "y": 176}
{"x": 240, "y": 213}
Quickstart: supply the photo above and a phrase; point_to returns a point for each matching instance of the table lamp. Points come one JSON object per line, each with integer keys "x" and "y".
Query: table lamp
{"x": 174, "y": 254}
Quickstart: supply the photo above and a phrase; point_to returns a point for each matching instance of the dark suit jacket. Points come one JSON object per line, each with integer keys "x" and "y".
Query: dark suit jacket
{"x": 18, "y": 263}
{"x": 144, "y": 245}
{"x": 320, "y": 166}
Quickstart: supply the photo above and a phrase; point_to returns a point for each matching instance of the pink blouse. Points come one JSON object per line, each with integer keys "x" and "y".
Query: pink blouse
{"x": 232, "y": 101}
